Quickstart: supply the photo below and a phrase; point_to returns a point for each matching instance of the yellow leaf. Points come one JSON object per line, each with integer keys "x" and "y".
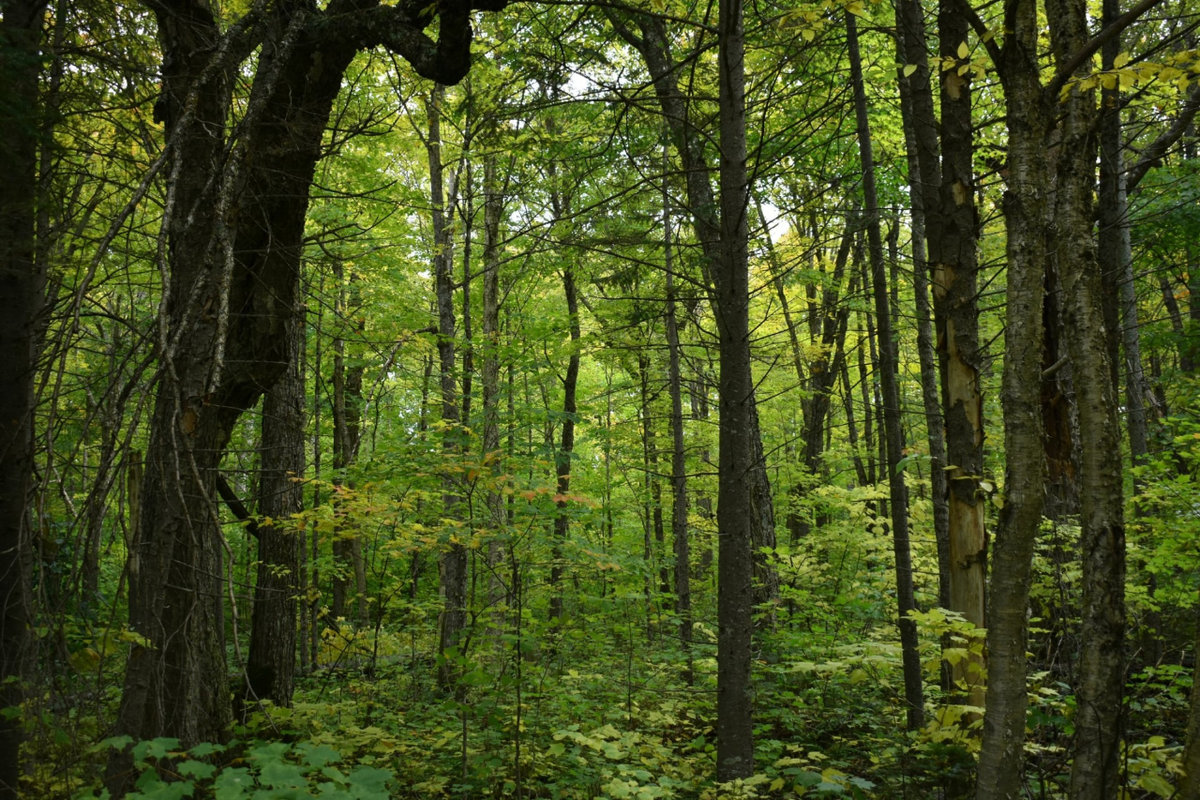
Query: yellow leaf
{"x": 963, "y": 52}
{"x": 1121, "y": 60}
{"x": 1108, "y": 80}
{"x": 909, "y": 69}
{"x": 807, "y": 34}
{"x": 777, "y": 784}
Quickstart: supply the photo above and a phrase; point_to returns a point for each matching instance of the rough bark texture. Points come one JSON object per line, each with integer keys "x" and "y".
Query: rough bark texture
{"x": 271, "y": 663}
{"x": 889, "y": 380}
{"x": 1001, "y": 762}
{"x": 1096, "y": 766}
{"x": 20, "y": 304}
{"x": 736, "y": 462}
{"x": 453, "y": 567}
{"x": 954, "y": 263}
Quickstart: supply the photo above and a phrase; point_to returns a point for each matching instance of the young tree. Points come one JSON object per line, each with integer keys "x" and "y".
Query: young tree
{"x": 888, "y": 367}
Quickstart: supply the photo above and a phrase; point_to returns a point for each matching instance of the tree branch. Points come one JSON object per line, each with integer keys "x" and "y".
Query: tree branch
{"x": 1090, "y": 48}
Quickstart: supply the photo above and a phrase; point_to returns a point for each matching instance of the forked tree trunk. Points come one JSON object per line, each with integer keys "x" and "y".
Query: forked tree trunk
{"x": 233, "y": 229}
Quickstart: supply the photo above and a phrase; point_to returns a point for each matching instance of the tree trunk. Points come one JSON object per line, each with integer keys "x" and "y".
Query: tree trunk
{"x": 21, "y": 294}
{"x": 454, "y": 558}
{"x": 737, "y": 464}
{"x": 954, "y": 263}
{"x": 493, "y": 208}
{"x": 347, "y": 434}
{"x": 653, "y": 44}
{"x": 889, "y": 380}
{"x": 1001, "y": 761}
{"x": 1096, "y": 764}
{"x": 566, "y": 448}
{"x": 679, "y": 500}
{"x": 233, "y": 226}
{"x": 271, "y": 665}
{"x": 924, "y": 168}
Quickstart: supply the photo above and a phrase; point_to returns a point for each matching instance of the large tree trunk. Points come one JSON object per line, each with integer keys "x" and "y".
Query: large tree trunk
{"x": 954, "y": 264}
{"x": 271, "y": 664}
{"x": 1001, "y": 762}
{"x": 20, "y": 305}
{"x": 1096, "y": 764}
{"x": 736, "y": 464}
{"x": 889, "y": 380}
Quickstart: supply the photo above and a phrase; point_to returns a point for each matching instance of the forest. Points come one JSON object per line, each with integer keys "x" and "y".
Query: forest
{"x": 625, "y": 399}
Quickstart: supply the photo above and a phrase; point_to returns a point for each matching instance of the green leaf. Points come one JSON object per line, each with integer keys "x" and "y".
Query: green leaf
{"x": 196, "y": 769}
{"x": 370, "y": 783}
{"x": 232, "y": 784}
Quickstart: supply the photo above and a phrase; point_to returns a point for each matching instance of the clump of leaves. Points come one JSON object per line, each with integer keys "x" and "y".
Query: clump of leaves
{"x": 280, "y": 770}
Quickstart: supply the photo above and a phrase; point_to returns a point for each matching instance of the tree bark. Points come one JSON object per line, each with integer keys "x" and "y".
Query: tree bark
{"x": 453, "y": 570}
{"x": 888, "y": 366}
{"x": 955, "y": 265}
{"x": 1096, "y": 766}
{"x": 21, "y": 294}
{"x": 737, "y": 465}
{"x": 679, "y": 499}
{"x": 1001, "y": 758}
{"x": 493, "y": 208}
{"x": 924, "y": 168}
{"x": 566, "y": 447}
{"x": 688, "y": 139}
{"x": 347, "y": 434}
{"x": 271, "y": 664}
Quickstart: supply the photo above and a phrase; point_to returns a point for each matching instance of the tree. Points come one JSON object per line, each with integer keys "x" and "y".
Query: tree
{"x": 735, "y": 733}
{"x": 232, "y": 247}
{"x": 888, "y": 366}
{"x": 21, "y": 32}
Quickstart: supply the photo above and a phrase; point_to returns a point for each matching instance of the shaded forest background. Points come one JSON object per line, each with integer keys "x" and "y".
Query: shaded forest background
{"x": 478, "y": 401}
